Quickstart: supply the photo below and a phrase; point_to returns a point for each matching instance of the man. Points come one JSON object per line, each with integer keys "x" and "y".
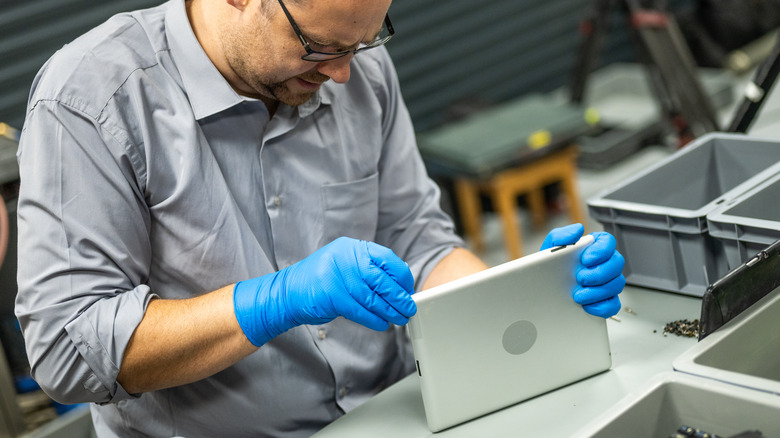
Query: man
{"x": 189, "y": 173}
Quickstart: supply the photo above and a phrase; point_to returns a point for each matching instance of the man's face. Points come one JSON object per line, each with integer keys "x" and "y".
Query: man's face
{"x": 264, "y": 53}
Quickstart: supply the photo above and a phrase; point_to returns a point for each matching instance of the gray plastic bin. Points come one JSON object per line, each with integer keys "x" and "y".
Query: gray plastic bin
{"x": 673, "y": 399}
{"x": 659, "y": 216}
{"x": 743, "y": 352}
{"x": 749, "y": 223}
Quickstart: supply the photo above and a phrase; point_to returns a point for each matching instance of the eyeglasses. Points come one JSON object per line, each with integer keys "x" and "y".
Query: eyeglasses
{"x": 312, "y": 55}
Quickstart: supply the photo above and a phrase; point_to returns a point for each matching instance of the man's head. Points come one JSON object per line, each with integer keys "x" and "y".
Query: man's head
{"x": 256, "y": 47}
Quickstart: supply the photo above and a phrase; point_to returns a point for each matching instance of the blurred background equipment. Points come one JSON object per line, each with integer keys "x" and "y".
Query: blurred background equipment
{"x": 733, "y": 34}
{"x": 663, "y": 51}
{"x": 757, "y": 90}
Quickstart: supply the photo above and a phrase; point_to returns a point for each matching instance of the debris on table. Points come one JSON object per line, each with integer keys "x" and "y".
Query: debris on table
{"x": 683, "y": 327}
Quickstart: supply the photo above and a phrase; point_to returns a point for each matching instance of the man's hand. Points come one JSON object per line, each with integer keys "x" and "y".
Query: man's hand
{"x": 599, "y": 276}
{"x": 361, "y": 281}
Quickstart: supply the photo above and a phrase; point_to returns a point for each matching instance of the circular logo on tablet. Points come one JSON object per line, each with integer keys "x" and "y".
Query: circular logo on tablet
{"x": 519, "y": 337}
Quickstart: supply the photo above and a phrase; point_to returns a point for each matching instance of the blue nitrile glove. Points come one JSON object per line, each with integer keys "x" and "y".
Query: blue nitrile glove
{"x": 600, "y": 275}
{"x": 361, "y": 281}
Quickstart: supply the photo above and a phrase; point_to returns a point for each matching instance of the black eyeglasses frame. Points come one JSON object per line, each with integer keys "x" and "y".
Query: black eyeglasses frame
{"x": 318, "y": 56}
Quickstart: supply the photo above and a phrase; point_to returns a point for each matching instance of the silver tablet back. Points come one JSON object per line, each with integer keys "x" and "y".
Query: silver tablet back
{"x": 504, "y": 335}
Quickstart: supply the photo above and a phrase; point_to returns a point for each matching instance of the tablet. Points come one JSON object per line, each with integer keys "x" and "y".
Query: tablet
{"x": 504, "y": 335}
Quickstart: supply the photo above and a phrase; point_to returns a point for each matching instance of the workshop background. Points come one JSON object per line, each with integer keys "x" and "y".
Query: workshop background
{"x": 447, "y": 53}
{"x": 455, "y": 59}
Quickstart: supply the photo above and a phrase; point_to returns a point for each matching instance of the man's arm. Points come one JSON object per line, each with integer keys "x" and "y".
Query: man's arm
{"x": 173, "y": 346}
{"x": 182, "y": 341}
{"x": 459, "y": 263}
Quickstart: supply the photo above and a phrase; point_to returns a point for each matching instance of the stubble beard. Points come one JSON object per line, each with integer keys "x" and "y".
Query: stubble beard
{"x": 272, "y": 88}
{"x": 238, "y": 43}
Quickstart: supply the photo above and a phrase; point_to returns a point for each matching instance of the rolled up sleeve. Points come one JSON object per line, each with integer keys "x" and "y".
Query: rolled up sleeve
{"x": 84, "y": 251}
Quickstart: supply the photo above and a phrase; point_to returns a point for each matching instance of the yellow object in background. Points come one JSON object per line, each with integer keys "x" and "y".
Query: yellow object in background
{"x": 592, "y": 116}
{"x": 8, "y": 131}
{"x": 539, "y": 139}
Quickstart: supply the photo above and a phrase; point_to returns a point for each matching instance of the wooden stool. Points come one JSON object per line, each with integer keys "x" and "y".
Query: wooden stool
{"x": 503, "y": 189}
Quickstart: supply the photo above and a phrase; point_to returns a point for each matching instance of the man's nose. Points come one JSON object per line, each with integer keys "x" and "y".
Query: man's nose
{"x": 337, "y": 69}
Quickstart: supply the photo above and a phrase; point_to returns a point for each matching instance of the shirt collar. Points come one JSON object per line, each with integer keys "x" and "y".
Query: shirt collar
{"x": 208, "y": 91}
{"x": 323, "y": 96}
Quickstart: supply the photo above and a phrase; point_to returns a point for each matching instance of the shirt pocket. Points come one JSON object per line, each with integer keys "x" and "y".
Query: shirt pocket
{"x": 350, "y": 209}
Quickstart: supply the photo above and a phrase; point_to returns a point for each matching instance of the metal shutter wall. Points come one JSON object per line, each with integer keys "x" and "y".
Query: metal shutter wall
{"x": 31, "y": 31}
{"x": 447, "y": 52}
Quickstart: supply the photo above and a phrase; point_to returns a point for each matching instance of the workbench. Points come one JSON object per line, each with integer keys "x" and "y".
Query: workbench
{"x": 640, "y": 351}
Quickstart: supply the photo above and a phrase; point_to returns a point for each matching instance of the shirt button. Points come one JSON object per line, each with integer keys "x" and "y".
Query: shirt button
{"x": 277, "y": 201}
{"x": 321, "y": 334}
{"x": 342, "y": 392}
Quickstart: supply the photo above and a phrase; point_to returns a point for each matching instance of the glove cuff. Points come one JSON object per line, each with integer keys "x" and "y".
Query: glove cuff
{"x": 257, "y": 311}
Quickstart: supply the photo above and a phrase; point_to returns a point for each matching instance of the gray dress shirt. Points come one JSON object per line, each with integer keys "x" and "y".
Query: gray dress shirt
{"x": 144, "y": 174}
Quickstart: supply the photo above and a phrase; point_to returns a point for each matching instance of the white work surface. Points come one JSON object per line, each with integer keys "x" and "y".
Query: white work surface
{"x": 638, "y": 354}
